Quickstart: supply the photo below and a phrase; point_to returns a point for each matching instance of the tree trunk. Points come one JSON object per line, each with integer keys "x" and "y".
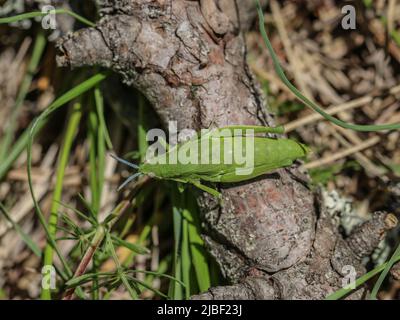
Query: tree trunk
{"x": 271, "y": 236}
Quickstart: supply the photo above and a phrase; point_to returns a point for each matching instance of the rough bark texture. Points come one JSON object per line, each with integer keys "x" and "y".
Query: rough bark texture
{"x": 270, "y": 236}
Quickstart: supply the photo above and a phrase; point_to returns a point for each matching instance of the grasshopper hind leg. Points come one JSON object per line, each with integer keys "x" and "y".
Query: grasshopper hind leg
{"x": 209, "y": 190}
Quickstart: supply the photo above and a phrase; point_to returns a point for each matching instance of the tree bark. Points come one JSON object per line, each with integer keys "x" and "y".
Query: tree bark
{"x": 271, "y": 236}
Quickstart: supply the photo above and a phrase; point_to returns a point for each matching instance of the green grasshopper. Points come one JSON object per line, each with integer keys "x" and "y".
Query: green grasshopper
{"x": 267, "y": 155}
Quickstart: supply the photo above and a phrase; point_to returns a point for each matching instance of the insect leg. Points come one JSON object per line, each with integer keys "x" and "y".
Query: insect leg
{"x": 209, "y": 190}
{"x": 181, "y": 186}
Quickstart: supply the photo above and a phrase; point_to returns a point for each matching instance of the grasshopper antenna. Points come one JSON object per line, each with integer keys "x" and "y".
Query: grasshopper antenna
{"x": 129, "y": 164}
{"x": 131, "y": 178}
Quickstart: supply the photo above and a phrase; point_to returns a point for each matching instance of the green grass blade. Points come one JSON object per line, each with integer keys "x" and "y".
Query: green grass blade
{"x": 17, "y": 149}
{"x": 38, "y": 49}
{"x": 123, "y": 277}
{"x": 368, "y": 3}
{"x": 97, "y": 141}
{"x": 92, "y": 214}
{"x": 142, "y": 140}
{"x": 99, "y": 101}
{"x": 79, "y": 213}
{"x": 147, "y": 286}
{"x": 197, "y": 250}
{"x": 78, "y": 281}
{"x": 175, "y": 290}
{"x": 281, "y": 74}
{"x": 20, "y": 17}
{"x": 25, "y": 237}
{"x": 395, "y": 34}
{"x": 186, "y": 261}
{"x": 68, "y": 96}
{"x": 70, "y": 133}
{"x": 385, "y": 272}
{"x": 35, "y": 14}
{"x": 94, "y": 178}
{"x": 131, "y": 246}
{"x": 76, "y": 16}
{"x": 361, "y": 280}
{"x": 160, "y": 273}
